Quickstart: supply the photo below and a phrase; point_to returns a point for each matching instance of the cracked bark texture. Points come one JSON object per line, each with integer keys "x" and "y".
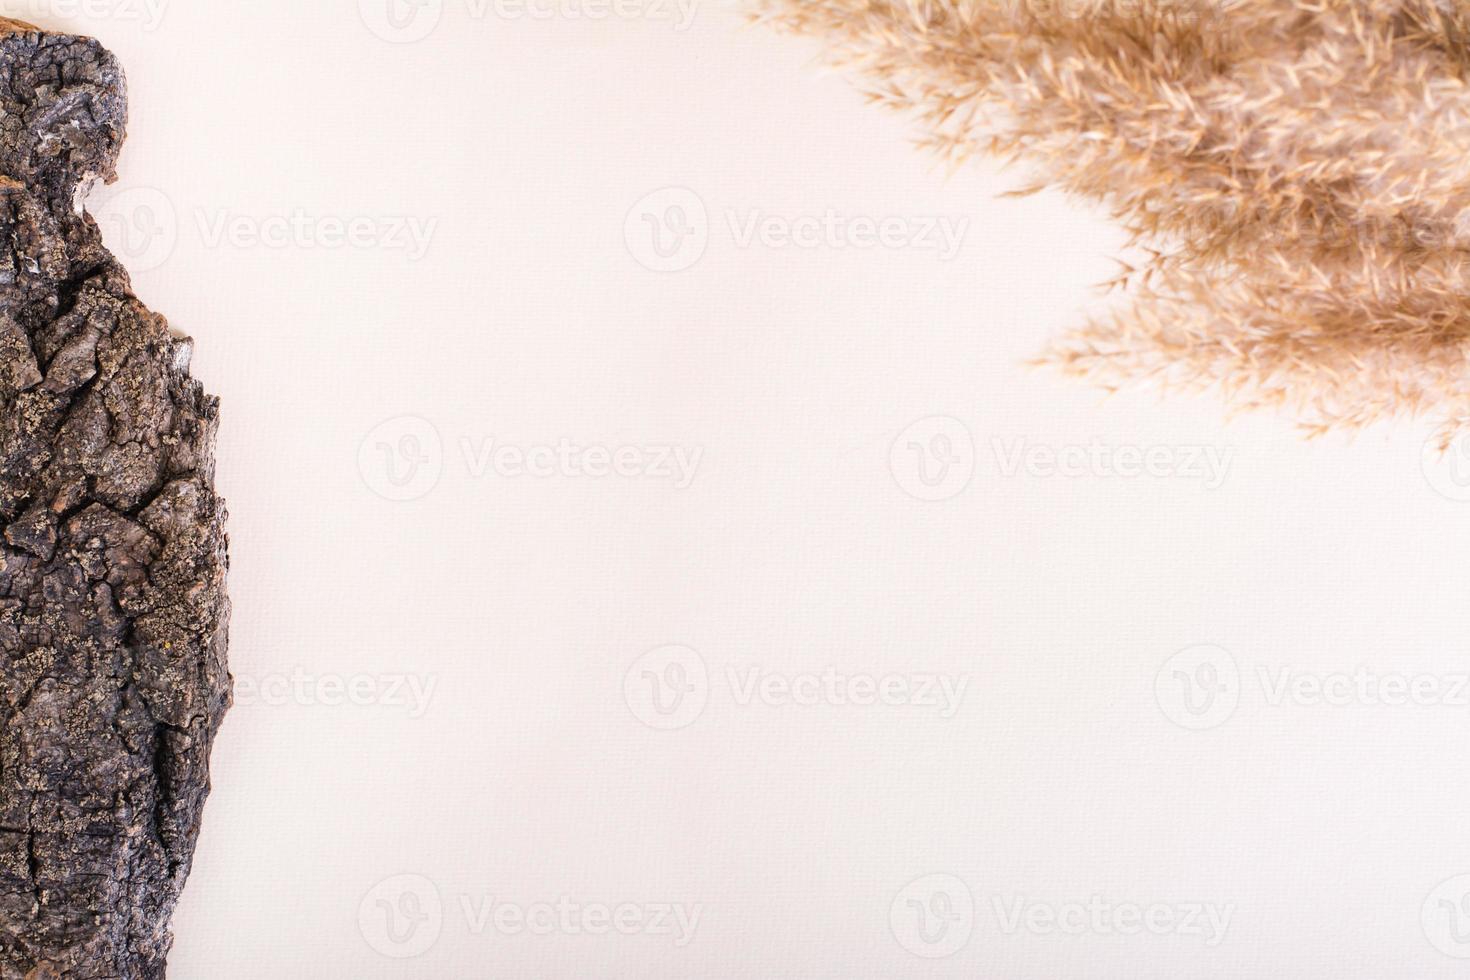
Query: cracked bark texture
{"x": 113, "y": 614}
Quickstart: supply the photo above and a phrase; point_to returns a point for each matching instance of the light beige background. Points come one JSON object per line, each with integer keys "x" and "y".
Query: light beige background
{"x": 446, "y": 711}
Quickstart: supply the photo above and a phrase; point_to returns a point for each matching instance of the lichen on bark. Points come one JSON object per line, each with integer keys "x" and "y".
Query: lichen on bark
{"x": 113, "y": 614}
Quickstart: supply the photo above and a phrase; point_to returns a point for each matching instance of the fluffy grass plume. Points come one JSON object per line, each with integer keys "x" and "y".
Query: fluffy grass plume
{"x": 1296, "y": 175}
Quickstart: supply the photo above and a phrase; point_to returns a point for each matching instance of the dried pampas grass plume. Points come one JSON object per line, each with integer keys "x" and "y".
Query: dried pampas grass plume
{"x": 1298, "y": 174}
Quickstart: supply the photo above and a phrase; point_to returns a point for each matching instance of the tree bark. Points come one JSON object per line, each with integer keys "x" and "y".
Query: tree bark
{"x": 113, "y": 614}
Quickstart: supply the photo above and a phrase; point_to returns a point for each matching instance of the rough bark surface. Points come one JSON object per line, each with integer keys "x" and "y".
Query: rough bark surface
{"x": 113, "y": 614}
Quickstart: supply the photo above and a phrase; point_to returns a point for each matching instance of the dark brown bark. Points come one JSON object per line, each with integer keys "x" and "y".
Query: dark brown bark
{"x": 113, "y": 613}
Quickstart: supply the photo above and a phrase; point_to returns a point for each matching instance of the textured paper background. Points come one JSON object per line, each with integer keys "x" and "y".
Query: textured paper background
{"x": 450, "y": 668}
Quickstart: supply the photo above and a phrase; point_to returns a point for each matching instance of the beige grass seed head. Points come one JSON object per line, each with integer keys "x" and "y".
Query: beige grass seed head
{"x": 1297, "y": 174}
